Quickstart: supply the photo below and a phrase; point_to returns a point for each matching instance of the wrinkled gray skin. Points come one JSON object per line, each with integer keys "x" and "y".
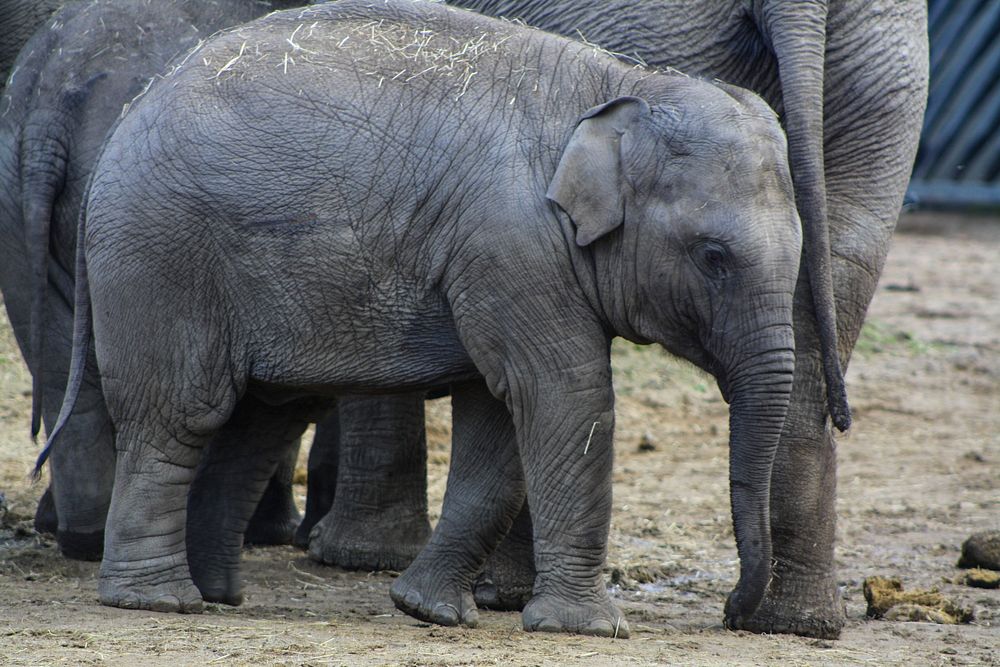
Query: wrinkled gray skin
{"x": 68, "y": 87}
{"x": 458, "y": 199}
{"x": 851, "y": 92}
{"x": 19, "y": 19}
{"x": 366, "y": 506}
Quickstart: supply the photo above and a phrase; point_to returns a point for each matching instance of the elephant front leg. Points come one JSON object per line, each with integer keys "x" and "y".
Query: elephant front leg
{"x": 566, "y": 451}
{"x": 145, "y": 556}
{"x": 239, "y": 465}
{"x": 378, "y": 520}
{"x": 485, "y": 491}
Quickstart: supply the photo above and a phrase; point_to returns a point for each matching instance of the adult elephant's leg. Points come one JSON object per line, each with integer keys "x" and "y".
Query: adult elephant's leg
{"x": 321, "y": 482}
{"x": 876, "y": 82}
{"x": 46, "y": 520}
{"x": 485, "y": 491}
{"x": 507, "y": 579}
{"x": 238, "y": 466}
{"x": 802, "y": 597}
{"x": 379, "y": 516}
{"x": 82, "y": 465}
{"x": 277, "y": 518}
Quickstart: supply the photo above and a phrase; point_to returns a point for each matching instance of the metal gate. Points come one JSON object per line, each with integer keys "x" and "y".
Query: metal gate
{"x": 958, "y": 163}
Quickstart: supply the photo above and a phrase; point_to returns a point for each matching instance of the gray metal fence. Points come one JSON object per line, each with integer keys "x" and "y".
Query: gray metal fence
{"x": 958, "y": 163}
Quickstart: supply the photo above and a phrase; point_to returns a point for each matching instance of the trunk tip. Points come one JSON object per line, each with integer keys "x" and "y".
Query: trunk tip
{"x": 744, "y": 600}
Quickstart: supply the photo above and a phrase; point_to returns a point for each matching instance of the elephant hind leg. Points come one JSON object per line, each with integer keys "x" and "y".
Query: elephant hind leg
{"x": 163, "y": 425}
{"x": 145, "y": 557}
{"x": 239, "y": 464}
{"x": 46, "y": 520}
{"x": 276, "y": 518}
{"x": 321, "y": 483}
{"x": 508, "y": 578}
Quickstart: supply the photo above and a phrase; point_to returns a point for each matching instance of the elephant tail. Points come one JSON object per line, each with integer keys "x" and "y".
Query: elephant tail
{"x": 797, "y": 35}
{"x": 82, "y": 326}
{"x": 44, "y": 148}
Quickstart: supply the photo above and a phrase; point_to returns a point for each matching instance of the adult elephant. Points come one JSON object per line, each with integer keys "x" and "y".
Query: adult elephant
{"x": 72, "y": 79}
{"x": 849, "y": 79}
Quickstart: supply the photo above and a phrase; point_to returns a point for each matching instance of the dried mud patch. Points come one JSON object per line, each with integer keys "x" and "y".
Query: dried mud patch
{"x": 918, "y": 474}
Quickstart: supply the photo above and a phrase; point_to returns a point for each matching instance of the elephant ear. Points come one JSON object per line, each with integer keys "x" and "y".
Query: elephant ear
{"x": 588, "y": 183}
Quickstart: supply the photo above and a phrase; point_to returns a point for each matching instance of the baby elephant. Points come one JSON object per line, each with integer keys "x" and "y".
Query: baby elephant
{"x": 381, "y": 197}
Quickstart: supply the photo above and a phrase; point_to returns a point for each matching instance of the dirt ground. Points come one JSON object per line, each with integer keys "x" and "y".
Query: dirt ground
{"x": 919, "y": 472}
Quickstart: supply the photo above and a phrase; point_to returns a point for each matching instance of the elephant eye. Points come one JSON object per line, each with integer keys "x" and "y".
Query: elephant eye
{"x": 711, "y": 257}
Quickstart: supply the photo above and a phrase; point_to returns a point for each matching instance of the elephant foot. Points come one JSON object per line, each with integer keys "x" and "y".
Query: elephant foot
{"x": 271, "y": 531}
{"x": 221, "y": 590}
{"x": 798, "y": 606}
{"x": 274, "y": 522}
{"x": 429, "y": 598}
{"x": 597, "y": 616}
{"x": 46, "y": 520}
{"x": 217, "y": 583}
{"x": 388, "y": 542}
{"x": 301, "y": 538}
{"x": 507, "y": 580}
{"x": 81, "y": 546}
{"x": 150, "y": 588}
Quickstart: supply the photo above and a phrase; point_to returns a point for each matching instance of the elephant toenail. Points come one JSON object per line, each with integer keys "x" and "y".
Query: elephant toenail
{"x": 446, "y": 614}
{"x": 544, "y": 625}
{"x": 412, "y": 599}
{"x": 600, "y": 628}
{"x": 165, "y": 603}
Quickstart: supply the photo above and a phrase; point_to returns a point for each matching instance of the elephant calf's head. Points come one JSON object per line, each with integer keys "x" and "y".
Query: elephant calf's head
{"x": 695, "y": 186}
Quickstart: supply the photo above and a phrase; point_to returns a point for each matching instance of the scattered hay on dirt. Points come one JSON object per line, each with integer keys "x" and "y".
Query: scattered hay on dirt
{"x": 629, "y": 577}
{"x": 887, "y": 599}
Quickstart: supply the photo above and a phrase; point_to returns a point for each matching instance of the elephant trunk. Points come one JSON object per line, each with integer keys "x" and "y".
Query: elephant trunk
{"x": 759, "y": 396}
{"x": 797, "y": 35}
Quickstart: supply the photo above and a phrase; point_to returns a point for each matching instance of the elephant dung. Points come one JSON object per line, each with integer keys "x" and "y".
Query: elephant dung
{"x": 981, "y": 550}
{"x": 887, "y": 599}
{"x": 978, "y": 577}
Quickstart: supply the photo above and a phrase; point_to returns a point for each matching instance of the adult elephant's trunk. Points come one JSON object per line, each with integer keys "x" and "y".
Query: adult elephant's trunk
{"x": 759, "y": 397}
{"x": 796, "y": 32}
